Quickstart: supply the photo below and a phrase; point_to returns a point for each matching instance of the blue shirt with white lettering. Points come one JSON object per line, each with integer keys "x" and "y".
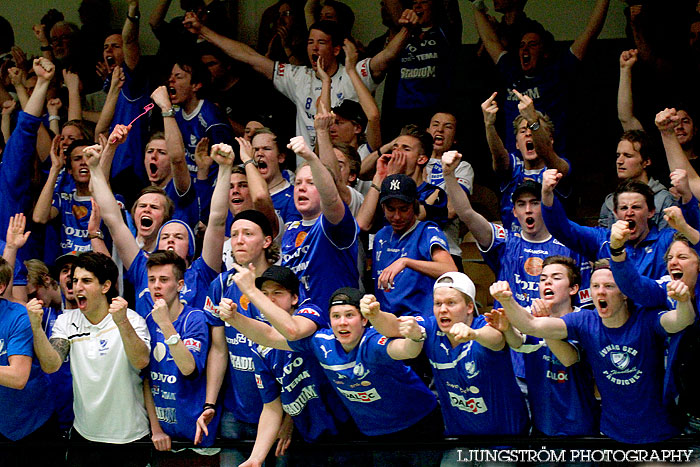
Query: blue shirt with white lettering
{"x": 299, "y": 382}
{"x": 322, "y": 255}
{"x": 186, "y": 204}
{"x": 241, "y": 395}
{"x": 179, "y": 398}
{"x": 383, "y": 395}
{"x": 628, "y": 366}
{"x": 476, "y": 385}
{"x": 283, "y": 202}
{"x": 412, "y": 293}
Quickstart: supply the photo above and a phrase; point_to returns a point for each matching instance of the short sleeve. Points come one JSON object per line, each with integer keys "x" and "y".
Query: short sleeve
{"x": 313, "y": 313}
{"x": 264, "y": 379}
{"x": 363, "y": 69}
{"x": 196, "y": 338}
{"x": 211, "y": 302}
{"x": 303, "y": 345}
{"x": 21, "y": 339}
{"x": 285, "y": 77}
{"x": 60, "y": 327}
{"x": 140, "y": 326}
{"x": 342, "y": 235}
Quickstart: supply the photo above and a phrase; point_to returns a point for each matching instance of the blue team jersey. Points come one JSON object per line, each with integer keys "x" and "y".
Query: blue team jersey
{"x": 186, "y": 204}
{"x": 178, "y": 398}
{"x": 628, "y": 366}
{"x": 383, "y": 395}
{"x": 437, "y": 211}
{"x": 476, "y": 385}
{"x": 133, "y": 97}
{"x": 241, "y": 395}
{"x": 194, "y": 293}
{"x": 518, "y": 261}
{"x": 647, "y": 256}
{"x": 413, "y": 291}
{"x": 322, "y": 255}
{"x": 283, "y": 201}
{"x": 562, "y": 399}
{"x": 26, "y": 410}
{"x": 61, "y": 381}
{"x": 73, "y": 213}
{"x": 205, "y": 120}
{"x": 305, "y": 392}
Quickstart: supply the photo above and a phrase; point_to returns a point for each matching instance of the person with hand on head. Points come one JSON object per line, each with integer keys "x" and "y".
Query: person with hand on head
{"x": 479, "y": 394}
{"x": 173, "y": 235}
{"x": 301, "y": 84}
{"x": 322, "y": 248}
{"x": 534, "y": 152}
{"x": 251, "y": 242}
{"x": 624, "y": 344}
{"x": 108, "y": 345}
{"x": 633, "y": 203}
{"x": 633, "y": 161}
{"x": 287, "y": 381}
{"x": 559, "y": 379}
{"x": 175, "y": 389}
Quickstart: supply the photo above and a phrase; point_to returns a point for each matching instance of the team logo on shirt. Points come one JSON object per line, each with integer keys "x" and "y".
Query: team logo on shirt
{"x": 192, "y": 344}
{"x": 258, "y": 381}
{"x": 103, "y": 347}
{"x": 360, "y": 371}
{"x": 624, "y": 372}
{"x": 308, "y": 311}
{"x": 244, "y": 301}
{"x": 299, "y": 239}
{"x": 472, "y": 371}
{"x": 621, "y": 360}
{"x": 209, "y": 306}
{"x": 280, "y": 69}
{"x": 382, "y": 340}
{"x": 473, "y": 405}
{"x": 79, "y": 211}
{"x": 363, "y": 396}
{"x": 500, "y": 232}
{"x": 533, "y": 266}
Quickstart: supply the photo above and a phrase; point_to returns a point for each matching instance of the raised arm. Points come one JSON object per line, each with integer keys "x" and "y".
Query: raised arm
{"x": 44, "y": 70}
{"x": 500, "y": 159}
{"x": 43, "y": 211}
{"x": 367, "y": 102}
{"x": 625, "y": 103}
{"x": 379, "y": 64}
{"x": 75, "y": 108}
{"x": 137, "y": 351}
{"x": 126, "y": 244}
{"x": 51, "y": 353}
{"x": 257, "y": 186}
{"x": 255, "y": 330}
{"x": 215, "y": 234}
{"x": 674, "y": 321}
{"x": 237, "y": 50}
{"x": 15, "y": 239}
{"x": 322, "y": 122}
{"x": 593, "y": 28}
{"x": 546, "y": 327}
{"x": 173, "y": 142}
{"x": 130, "y": 35}
{"x": 411, "y": 343}
{"x": 475, "y": 222}
{"x": 541, "y": 137}
{"x": 666, "y": 121}
{"x": 110, "y": 105}
{"x": 487, "y": 33}
{"x": 291, "y": 327}
{"x": 332, "y": 206}
{"x": 487, "y": 336}
{"x": 386, "y": 324}
{"x": 181, "y": 354}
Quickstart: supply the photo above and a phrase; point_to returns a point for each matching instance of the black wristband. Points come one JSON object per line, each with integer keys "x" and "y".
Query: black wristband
{"x": 373, "y": 185}
{"x": 617, "y": 251}
{"x": 45, "y": 48}
{"x": 209, "y": 405}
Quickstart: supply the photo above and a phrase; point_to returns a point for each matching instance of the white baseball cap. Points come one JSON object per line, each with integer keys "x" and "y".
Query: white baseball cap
{"x": 459, "y": 281}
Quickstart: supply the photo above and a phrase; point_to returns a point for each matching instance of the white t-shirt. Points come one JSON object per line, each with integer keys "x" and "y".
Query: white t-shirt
{"x": 301, "y": 86}
{"x": 107, "y": 390}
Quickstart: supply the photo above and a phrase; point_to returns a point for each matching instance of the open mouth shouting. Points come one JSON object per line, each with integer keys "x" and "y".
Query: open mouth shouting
{"x": 438, "y": 140}
{"x": 82, "y": 301}
{"x": 602, "y": 304}
{"x": 530, "y": 222}
{"x": 676, "y": 274}
{"x": 547, "y": 293}
{"x": 146, "y": 222}
{"x": 314, "y": 60}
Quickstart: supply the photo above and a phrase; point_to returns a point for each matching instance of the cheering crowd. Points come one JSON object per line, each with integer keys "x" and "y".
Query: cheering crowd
{"x": 219, "y": 242}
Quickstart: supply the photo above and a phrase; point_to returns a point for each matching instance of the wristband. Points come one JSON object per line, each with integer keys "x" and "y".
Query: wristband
{"x": 168, "y": 113}
{"x": 209, "y": 405}
{"x": 479, "y": 5}
{"x": 376, "y": 187}
{"x": 617, "y": 251}
{"x": 133, "y": 19}
{"x": 423, "y": 335}
{"x": 54, "y": 117}
{"x": 250, "y": 161}
{"x": 45, "y": 48}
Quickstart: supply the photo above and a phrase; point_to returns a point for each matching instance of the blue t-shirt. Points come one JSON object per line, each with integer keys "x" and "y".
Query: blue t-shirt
{"x": 194, "y": 293}
{"x": 299, "y": 382}
{"x": 178, "y": 398}
{"x": 241, "y": 396}
{"x": 383, "y": 395}
{"x": 73, "y": 214}
{"x": 628, "y": 366}
{"x": 62, "y": 380}
{"x": 26, "y": 410}
{"x": 562, "y": 399}
{"x": 413, "y": 291}
{"x": 322, "y": 255}
{"x": 186, "y": 204}
{"x": 476, "y": 385}
{"x": 283, "y": 202}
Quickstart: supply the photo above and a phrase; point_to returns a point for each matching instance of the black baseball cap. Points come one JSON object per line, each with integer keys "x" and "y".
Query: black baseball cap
{"x": 352, "y": 111}
{"x": 528, "y": 186}
{"x": 398, "y": 186}
{"x": 346, "y": 296}
{"x": 281, "y": 275}
{"x": 62, "y": 260}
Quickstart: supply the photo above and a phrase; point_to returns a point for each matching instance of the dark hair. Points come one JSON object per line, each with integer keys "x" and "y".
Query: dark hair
{"x": 635, "y": 186}
{"x": 102, "y": 267}
{"x": 426, "y": 141}
{"x": 78, "y": 143}
{"x": 87, "y": 129}
{"x": 573, "y": 271}
{"x": 111, "y": 32}
{"x": 6, "y": 272}
{"x": 535, "y": 27}
{"x": 641, "y": 137}
{"x": 354, "y": 159}
{"x": 154, "y": 136}
{"x": 165, "y": 257}
{"x": 194, "y": 66}
{"x": 7, "y": 35}
{"x": 598, "y": 264}
{"x": 266, "y": 131}
{"x": 346, "y": 17}
{"x": 169, "y": 206}
{"x": 331, "y": 28}
{"x": 679, "y": 237}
